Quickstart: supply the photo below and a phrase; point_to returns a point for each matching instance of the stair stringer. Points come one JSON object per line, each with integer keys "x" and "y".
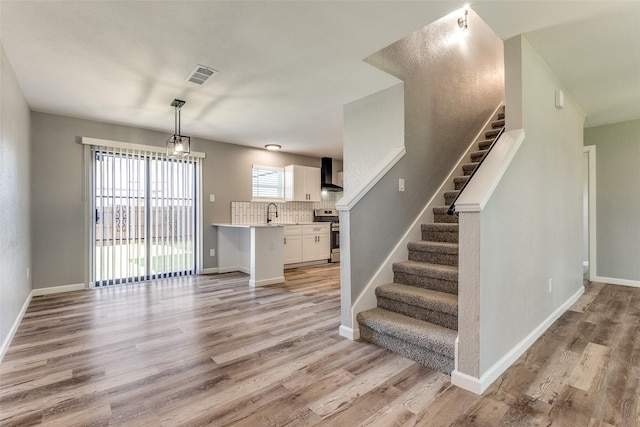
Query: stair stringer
{"x": 367, "y": 298}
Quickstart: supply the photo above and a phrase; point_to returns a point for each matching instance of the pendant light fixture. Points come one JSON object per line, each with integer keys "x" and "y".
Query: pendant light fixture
{"x": 178, "y": 145}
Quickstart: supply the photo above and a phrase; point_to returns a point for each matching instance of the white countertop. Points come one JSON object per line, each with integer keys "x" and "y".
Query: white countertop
{"x": 261, "y": 225}
{"x": 273, "y": 224}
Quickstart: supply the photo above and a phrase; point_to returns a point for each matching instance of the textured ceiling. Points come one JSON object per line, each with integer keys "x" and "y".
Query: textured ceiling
{"x": 286, "y": 67}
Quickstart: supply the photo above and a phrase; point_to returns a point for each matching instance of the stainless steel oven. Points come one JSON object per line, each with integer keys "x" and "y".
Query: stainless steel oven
{"x": 331, "y": 215}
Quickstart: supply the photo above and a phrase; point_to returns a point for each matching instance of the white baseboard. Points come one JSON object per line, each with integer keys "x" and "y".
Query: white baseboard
{"x": 305, "y": 264}
{"x": 58, "y": 289}
{"x": 7, "y": 340}
{"x": 479, "y": 385}
{"x": 349, "y": 333}
{"x": 232, "y": 269}
{"x": 213, "y": 270}
{"x": 467, "y": 382}
{"x": 265, "y": 282}
{"x": 614, "y": 281}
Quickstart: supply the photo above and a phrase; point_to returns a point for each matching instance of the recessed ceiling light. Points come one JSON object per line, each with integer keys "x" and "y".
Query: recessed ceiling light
{"x": 273, "y": 147}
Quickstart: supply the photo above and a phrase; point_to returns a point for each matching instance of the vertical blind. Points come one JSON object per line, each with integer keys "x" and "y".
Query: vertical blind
{"x": 145, "y": 222}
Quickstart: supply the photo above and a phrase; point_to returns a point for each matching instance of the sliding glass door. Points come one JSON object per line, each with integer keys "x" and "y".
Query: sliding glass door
{"x": 144, "y": 225}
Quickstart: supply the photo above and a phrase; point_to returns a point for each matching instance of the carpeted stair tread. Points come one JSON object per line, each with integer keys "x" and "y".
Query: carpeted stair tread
{"x": 419, "y": 297}
{"x": 440, "y": 215}
{"x": 450, "y": 196}
{"x": 477, "y": 155}
{"x": 418, "y": 332}
{"x": 468, "y": 168}
{"x": 491, "y": 133}
{"x": 440, "y": 247}
{"x": 443, "y": 272}
{"x": 448, "y": 228}
{"x": 484, "y": 145}
{"x": 459, "y": 181}
{"x": 434, "y": 252}
{"x": 440, "y": 232}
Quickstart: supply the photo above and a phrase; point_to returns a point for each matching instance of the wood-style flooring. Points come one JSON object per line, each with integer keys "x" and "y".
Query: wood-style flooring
{"x": 210, "y": 350}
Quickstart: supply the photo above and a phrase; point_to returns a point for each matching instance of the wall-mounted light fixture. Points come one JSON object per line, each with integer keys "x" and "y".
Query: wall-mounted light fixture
{"x": 463, "y": 21}
{"x": 178, "y": 145}
{"x": 272, "y": 147}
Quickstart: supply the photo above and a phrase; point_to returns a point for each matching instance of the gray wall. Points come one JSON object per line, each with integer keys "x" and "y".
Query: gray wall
{"x": 59, "y": 210}
{"x": 531, "y": 228}
{"x": 617, "y": 198}
{"x": 15, "y": 234}
{"x": 451, "y": 86}
{"x": 373, "y": 127}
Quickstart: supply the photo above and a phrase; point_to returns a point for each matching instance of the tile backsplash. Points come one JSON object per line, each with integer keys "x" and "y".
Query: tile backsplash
{"x": 288, "y": 212}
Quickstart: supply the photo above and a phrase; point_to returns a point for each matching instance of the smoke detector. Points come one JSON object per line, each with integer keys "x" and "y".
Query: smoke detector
{"x": 200, "y": 74}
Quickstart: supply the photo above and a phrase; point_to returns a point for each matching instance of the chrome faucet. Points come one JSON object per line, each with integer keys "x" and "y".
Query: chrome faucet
{"x": 269, "y": 211}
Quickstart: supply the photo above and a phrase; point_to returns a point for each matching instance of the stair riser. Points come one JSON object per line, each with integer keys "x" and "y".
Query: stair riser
{"x": 449, "y": 198}
{"x": 439, "y": 236}
{"x": 434, "y": 258}
{"x": 491, "y": 133}
{"x": 425, "y": 282}
{"x": 411, "y": 351}
{"x": 445, "y": 218}
{"x": 421, "y": 313}
{"x": 475, "y": 157}
{"x": 468, "y": 168}
{"x": 484, "y": 145}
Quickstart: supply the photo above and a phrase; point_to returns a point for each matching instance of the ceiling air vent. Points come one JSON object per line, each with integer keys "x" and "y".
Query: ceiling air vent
{"x": 200, "y": 74}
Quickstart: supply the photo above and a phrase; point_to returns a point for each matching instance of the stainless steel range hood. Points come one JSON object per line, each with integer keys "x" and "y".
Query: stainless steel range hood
{"x": 326, "y": 178}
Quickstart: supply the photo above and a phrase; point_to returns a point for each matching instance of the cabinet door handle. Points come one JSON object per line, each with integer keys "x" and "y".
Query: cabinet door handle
{"x": 285, "y": 240}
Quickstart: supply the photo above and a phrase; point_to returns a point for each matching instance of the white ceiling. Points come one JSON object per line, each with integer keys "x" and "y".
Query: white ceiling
{"x": 286, "y": 67}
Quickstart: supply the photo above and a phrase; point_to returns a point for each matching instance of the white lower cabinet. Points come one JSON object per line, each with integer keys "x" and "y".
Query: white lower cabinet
{"x": 305, "y": 243}
{"x": 292, "y": 249}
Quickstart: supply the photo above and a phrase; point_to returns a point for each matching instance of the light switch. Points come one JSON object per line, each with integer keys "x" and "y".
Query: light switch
{"x": 401, "y": 184}
{"x": 212, "y": 198}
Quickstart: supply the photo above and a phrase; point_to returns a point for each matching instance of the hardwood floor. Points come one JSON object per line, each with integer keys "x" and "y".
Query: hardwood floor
{"x": 210, "y": 350}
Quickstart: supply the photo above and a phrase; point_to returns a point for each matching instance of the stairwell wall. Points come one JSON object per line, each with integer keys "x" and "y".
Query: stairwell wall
{"x": 451, "y": 85}
{"x": 531, "y": 228}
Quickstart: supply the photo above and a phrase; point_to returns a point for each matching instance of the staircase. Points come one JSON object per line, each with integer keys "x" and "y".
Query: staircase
{"x": 417, "y": 315}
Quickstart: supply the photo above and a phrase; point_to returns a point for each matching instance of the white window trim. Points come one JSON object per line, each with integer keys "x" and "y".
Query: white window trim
{"x": 281, "y": 169}
{"x": 136, "y": 147}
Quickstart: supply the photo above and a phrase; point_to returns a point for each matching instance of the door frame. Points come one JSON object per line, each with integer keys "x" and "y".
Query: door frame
{"x": 590, "y": 151}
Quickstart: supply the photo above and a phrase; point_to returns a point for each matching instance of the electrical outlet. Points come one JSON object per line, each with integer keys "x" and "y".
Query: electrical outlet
{"x": 212, "y": 252}
{"x": 550, "y": 285}
{"x": 401, "y": 184}
{"x": 212, "y": 198}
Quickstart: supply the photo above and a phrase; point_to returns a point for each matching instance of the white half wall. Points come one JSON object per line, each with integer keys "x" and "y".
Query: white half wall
{"x": 530, "y": 230}
{"x": 373, "y": 127}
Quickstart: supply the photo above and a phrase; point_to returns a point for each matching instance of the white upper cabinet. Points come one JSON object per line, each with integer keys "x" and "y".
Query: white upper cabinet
{"x": 301, "y": 184}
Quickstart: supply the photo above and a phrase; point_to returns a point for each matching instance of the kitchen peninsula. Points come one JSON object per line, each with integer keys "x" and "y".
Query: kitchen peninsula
{"x": 255, "y": 249}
